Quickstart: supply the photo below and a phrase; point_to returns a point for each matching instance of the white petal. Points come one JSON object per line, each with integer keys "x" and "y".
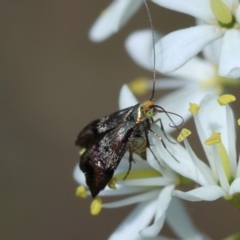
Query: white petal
{"x": 126, "y": 98}
{"x": 113, "y": 18}
{"x": 184, "y": 166}
{"x": 237, "y": 14}
{"x": 220, "y": 171}
{"x": 202, "y": 166}
{"x": 211, "y": 51}
{"x": 133, "y": 199}
{"x": 162, "y": 203}
{"x": 206, "y": 193}
{"x": 199, "y": 9}
{"x": 180, "y": 222}
{"x": 229, "y": 64}
{"x": 178, "y": 102}
{"x": 139, "y": 45}
{"x": 155, "y": 181}
{"x": 214, "y": 118}
{"x": 195, "y": 70}
{"x": 235, "y": 187}
{"x": 231, "y": 130}
{"x": 178, "y": 47}
{"x": 139, "y": 218}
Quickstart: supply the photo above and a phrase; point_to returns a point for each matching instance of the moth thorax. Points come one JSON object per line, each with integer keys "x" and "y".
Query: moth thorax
{"x": 148, "y": 110}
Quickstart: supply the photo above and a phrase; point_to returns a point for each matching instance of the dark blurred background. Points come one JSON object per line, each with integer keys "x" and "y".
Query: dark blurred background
{"x": 53, "y": 82}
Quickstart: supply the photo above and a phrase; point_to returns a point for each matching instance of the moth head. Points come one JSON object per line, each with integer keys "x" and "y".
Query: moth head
{"x": 148, "y": 110}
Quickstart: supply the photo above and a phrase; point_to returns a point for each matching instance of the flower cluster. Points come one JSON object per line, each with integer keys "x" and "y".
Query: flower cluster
{"x": 202, "y": 88}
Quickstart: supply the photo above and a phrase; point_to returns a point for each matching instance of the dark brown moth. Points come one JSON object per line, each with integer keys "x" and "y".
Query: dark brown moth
{"x": 104, "y": 141}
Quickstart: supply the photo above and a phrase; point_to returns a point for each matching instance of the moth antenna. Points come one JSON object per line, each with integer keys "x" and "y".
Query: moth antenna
{"x": 154, "y": 54}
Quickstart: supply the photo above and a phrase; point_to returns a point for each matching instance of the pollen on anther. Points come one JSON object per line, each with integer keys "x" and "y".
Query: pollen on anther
{"x": 193, "y": 108}
{"x": 112, "y": 183}
{"x": 96, "y": 206}
{"x": 221, "y": 11}
{"x": 225, "y": 99}
{"x": 139, "y": 85}
{"x": 183, "y": 134}
{"x": 81, "y": 192}
{"x": 215, "y": 138}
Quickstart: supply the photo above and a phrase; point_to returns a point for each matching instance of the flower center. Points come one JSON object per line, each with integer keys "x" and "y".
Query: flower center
{"x": 219, "y": 83}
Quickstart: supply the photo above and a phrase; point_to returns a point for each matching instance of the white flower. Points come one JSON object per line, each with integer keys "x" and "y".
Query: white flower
{"x": 220, "y": 19}
{"x": 150, "y": 185}
{"x": 113, "y": 18}
{"x": 216, "y": 129}
{"x": 194, "y": 80}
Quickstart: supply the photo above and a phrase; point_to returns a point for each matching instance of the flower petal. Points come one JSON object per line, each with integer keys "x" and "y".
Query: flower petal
{"x": 199, "y": 9}
{"x": 180, "y": 222}
{"x": 213, "y": 118}
{"x": 211, "y": 51}
{"x": 195, "y": 70}
{"x": 113, "y": 18}
{"x": 126, "y": 98}
{"x": 235, "y": 187}
{"x": 182, "y": 164}
{"x": 139, "y": 218}
{"x": 237, "y": 14}
{"x": 162, "y": 203}
{"x": 139, "y": 45}
{"x": 178, "y": 102}
{"x": 178, "y": 47}
{"x": 143, "y": 197}
{"x": 206, "y": 193}
{"x": 229, "y": 64}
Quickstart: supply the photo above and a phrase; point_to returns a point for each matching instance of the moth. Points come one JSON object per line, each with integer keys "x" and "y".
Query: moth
{"x": 104, "y": 141}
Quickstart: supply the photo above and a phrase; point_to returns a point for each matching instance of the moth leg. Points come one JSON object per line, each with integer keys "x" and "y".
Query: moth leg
{"x": 159, "y": 137}
{"x": 162, "y": 128}
{"x": 148, "y": 144}
{"x": 130, "y": 163}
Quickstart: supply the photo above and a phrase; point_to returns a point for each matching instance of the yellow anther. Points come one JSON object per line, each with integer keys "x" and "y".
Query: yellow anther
{"x": 96, "y": 206}
{"x": 238, "y": 121}
{"x": 183, "y": 134}
{"x": 81, "y": 152}
{"x": 81, "y": 192}
{"x": 221, "y": 11}
{"x": 226, "y": 98}
{"x": 112, "y": 183}
{"x": 193, "y": 108}
{"x": 215, "y": 138}
{"x": 139, "y": 86}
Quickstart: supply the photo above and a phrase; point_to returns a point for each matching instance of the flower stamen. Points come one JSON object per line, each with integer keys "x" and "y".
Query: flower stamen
{"x": 139, "y": 86}
{"x": 226, "y": 98}
{"x": 215, "y": 138}
{"x": 221, "y": 11}
{"x": 193, "y": 108}
{"x": 81, "y": 192}
{"x": 183, "y": 134}
{"x": 96, "y": 206}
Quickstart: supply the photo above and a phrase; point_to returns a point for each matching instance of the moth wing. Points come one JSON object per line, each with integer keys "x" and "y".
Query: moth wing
{"x": 101, "y": 160}
{"x": 97, "y": 129}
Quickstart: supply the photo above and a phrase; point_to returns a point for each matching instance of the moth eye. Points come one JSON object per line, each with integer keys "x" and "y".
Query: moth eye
{"x": 150, "y": 113}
